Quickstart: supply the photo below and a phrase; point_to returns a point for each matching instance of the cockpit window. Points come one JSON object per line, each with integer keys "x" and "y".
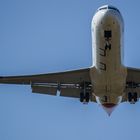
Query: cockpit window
{"x": 113, "y": 8}
{"x": 108, "y": 7}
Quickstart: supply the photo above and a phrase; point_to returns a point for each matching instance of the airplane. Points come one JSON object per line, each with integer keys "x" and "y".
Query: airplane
{"x": 108, "y": 82}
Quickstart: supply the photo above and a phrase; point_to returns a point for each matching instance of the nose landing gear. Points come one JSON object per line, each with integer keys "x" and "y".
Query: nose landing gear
{"x": 108, "y": 46}
{"x": 107, "y": 35}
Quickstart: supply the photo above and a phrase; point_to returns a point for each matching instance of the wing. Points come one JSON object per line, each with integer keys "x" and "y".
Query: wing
{"x": 132, "y": 82}
{"x": 68, "y": 83}
{"x": 133, "y": 75}
{"x": 68, "y": 77}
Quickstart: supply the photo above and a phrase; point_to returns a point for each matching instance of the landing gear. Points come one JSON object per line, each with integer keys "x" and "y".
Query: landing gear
{"x": 84, "y": 98}
{"x": 87, "y": 97}
{"x": 132, "y": 97}
{"x": 108, "y": 35}
{"x": 85, "y": 93}
{"x": 108, "y": 46}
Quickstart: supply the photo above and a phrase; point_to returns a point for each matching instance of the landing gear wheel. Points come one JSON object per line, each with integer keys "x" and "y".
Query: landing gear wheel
{"x": 135, "y": 97}
{"x": 129, "y": 96}
{"x": 132, "y": 97}
{"x": 87, "y": 97}
{"x": 84, "y": 98}
{"x": 81, "y": 97}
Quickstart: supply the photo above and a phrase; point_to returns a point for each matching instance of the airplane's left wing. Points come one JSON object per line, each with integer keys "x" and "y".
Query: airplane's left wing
{"x": 69, "y": 83}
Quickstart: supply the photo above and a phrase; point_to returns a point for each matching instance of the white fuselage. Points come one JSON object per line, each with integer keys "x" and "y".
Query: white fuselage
{"x": 109, "y": 74}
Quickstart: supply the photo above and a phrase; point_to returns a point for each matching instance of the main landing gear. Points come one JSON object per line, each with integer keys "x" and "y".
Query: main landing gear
{"x": 84, "y": 97}
{"x": 85, "y": 93}
{"x": 132, "y": 97}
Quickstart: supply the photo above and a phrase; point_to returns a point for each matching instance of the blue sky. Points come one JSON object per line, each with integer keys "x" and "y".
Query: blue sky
{"x": 40, "y": 36}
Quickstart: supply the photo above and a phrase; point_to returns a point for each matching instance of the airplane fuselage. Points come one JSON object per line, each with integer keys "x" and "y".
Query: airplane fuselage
{"x": 109, "y": 74}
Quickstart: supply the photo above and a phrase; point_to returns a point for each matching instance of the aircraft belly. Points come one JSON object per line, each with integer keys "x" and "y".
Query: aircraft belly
{"x": 109, "y": 75}
{"x": 106, "y": 84}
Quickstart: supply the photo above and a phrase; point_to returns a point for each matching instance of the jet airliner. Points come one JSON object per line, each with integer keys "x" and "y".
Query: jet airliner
{"x": 108, "y": 82}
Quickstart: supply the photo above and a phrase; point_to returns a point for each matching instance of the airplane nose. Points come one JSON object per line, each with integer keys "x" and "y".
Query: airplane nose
{"x": 109, "y": 107}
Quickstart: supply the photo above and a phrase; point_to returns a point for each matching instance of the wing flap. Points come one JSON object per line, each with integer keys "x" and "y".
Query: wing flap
{"x": 52, "y": 90}
{"x": 70, "y": 92}
{"x": 44, "y": 90}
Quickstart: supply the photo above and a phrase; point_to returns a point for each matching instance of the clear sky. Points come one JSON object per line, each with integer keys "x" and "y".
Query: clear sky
{"x": 40, "y": 36}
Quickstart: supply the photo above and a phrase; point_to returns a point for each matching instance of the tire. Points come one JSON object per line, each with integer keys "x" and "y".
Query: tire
{"x": 87, "y": 97}
{"x": 135, "y": 97}
{"x": 129, "y": 96}
{"x": 81, "y": 97}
